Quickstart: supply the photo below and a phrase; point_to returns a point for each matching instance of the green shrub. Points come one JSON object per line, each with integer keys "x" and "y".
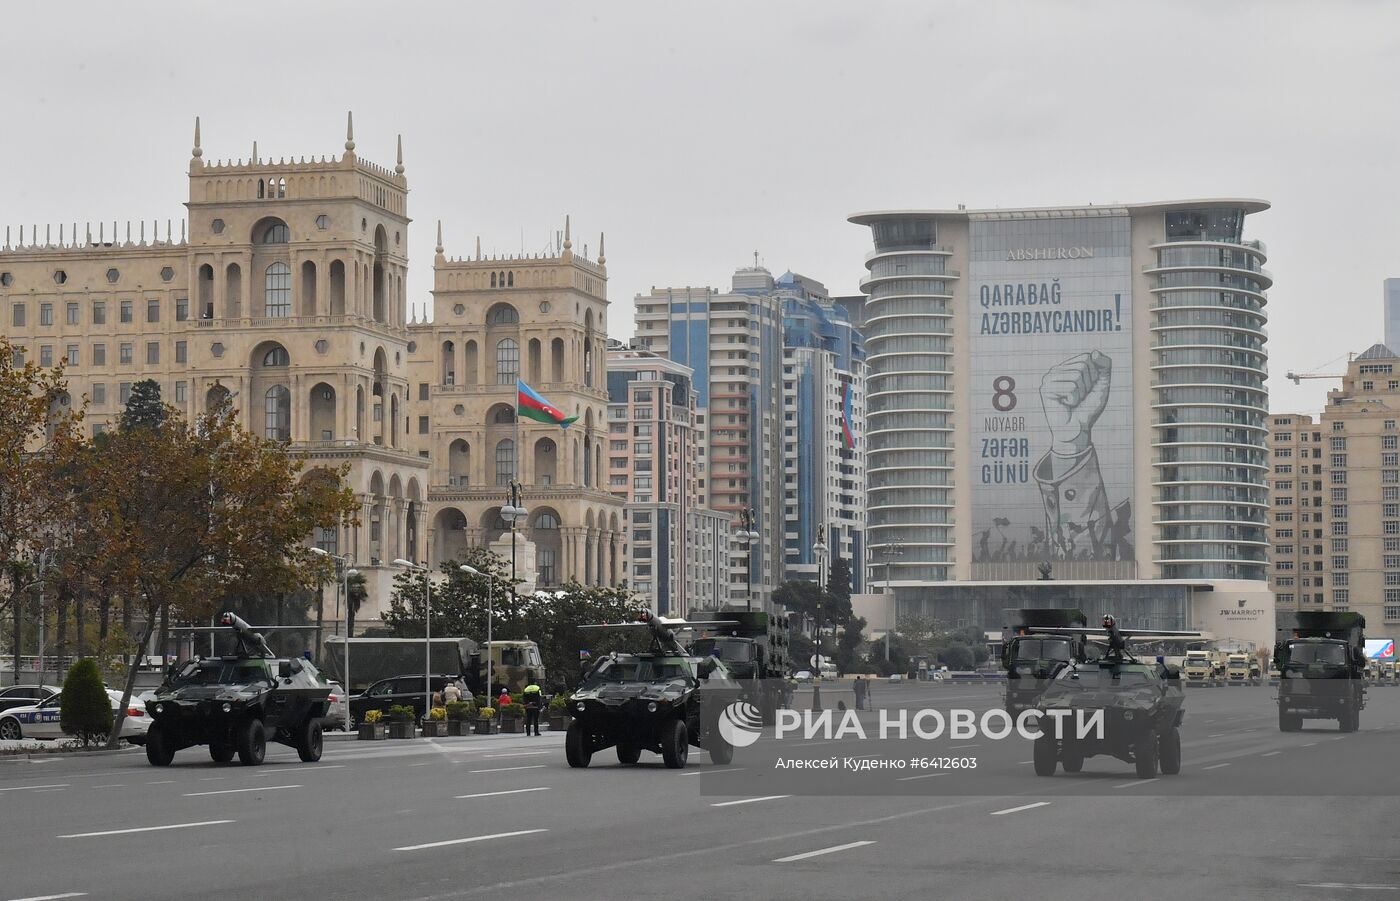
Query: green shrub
{"x": 486, "y": 713}
{"x": 514, "y": 709}
{"x": 373, "y": 716}
{"x": 559, "y": 703}
{"x": 401, "y": 713}
{"x": 85, "y": 710}
{"x": 461, "y": 710}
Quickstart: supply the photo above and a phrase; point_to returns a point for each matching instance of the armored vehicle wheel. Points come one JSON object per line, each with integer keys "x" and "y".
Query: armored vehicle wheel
{"x": 1169, "y": 751}
{"x": 576, "y": 745}
{"x": 1145, "y": 756}
{"x": 159, "y": 751}
{"x": 1289, "y": 722}
{"x": 221, "y": 753}
{"x": 628, "y": 753}
{"x": 721, "y": 751}
{"x": 1071, "y": 760}
{"x": 675, "y": 744}
{"x": 1046, "y": 755}
{"x": 252, "y": 743}
{"x": 309, "y": 740}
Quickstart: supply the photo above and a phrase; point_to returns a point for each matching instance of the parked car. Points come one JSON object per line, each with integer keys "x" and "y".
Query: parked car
{"x": 339, "y": 712}
{"x": 398, "y": 690}
{"x": 803, "y": 676}
{"x": 26, "y": 695}
{"x": 41, "y": 720}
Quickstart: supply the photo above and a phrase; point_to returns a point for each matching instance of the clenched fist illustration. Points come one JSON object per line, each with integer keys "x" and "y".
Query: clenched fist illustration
{"x": 1074, "y": 394}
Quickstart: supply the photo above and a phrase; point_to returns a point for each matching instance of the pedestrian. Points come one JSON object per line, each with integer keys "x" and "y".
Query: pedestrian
{"x": 860, "y": 692}
{"x": 436, "y": 699}
{"x": 504, "y": 699}
{"x": 869, "y": 684}
{"x": 534, "y": 703}
{"x": 451, "y": 694}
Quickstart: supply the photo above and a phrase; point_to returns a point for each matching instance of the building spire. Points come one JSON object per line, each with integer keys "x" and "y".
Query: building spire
{"x": 350, "y": 131}
{"x": 255, "y": 153}
{"x": 399, "y": 169}
{"x": 568, "y": 242}
{"x": 439, "y": 243}
{"x": 197, "y": 151}
{"x": 602, "y": 253}
{"x": 478, "y": 247}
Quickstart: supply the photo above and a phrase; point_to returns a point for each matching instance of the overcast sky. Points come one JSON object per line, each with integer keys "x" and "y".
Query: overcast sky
{"x": 695, "y": 134}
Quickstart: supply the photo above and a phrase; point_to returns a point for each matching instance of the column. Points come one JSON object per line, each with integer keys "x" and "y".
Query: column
{"x": 590, "y": 556}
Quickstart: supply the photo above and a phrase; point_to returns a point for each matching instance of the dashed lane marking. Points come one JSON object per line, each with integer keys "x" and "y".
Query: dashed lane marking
{"x": 1271, "y": 754}
{"x": 1352, "y": 886}
{"x": 24, "y": 788}
{"x": 53, "y": 897}
{"x": 750, "y": 800}
{"x": 146, "y": 829}
{"x": 239, "y": 791}
{"x": 1214, "y": 766}
{"x": 465, "y": 841}
{"x": 507, "y": 769}
{"x": 733, "y": 769}
{"x": 924, "y": 776}
{"x": 513, "y": 791}
{"x": 1137, "y": 782}
{"x": 818, "y": 853}
{"x": 997, "y": 813}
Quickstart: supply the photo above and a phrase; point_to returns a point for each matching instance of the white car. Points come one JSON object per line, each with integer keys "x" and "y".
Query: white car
{"x": 803, "y": 676}
{"x": 338, "y": 711}
{"x": 41, "y": 720}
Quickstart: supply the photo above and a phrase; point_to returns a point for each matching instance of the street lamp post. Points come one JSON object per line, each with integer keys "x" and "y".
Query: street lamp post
{"x": 342, "y": 565}
{"x": 890, "y": 550}
{"x": 820, "y": 550}
{"x": 748, "y": 537}
{"x": 427, "y": 630}
{"x": 513, "y": 513}
{"x": 489, "y": 614}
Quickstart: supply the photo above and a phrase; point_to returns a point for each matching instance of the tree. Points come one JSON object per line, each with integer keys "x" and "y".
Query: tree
{"x": 144, "y": 409}
{"x": 848, "y": 640}
{"x": 838, "y": 586}
{"x": 356, "y": 593}
{"x": 799, "y": 596}
{"x": 187, "y": 515}
{"x": 38, "y": 433}
{"x": 956, "y": 656}
{"x": 84, "y": 708}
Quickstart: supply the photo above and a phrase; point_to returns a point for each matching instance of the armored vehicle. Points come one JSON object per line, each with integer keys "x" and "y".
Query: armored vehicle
{"x": 1141, "y": 704}
{"x": 664, "y": 700}
{"x": 1034, "y": 650}
{"x": 238, "y": 703}
{"x": 1322, "y": 668}
{"x": 754, "y": 650}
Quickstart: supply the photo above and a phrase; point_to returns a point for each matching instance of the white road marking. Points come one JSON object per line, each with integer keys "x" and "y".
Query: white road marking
{"x": 1024, "y": 762}
{"x": 1136, "y": 782}
{"x": 750, "y": 800}
{"x": 24, "y": 788}
{"x": 733, "y": 769}
{"x": 1271, "y": 754}
{"x": 429, "y": 763}
{"x": 1216, "y": 734}
{"x": 521, "y": 754}
{"x": 207, "y": 779}
{"x": 474, "y": 838}
{"x": 832, "y": 850}
{"x": 1214, "y": 766}
{"x": 146, "y": 829}
{"x": 507, "y": 769}
{"x": 239, "y": 791}
{"x": 1310, "y": 744}
{"x": 112, "y": 785}
{"x": 309, "y": 768}
{"x": 162, "y": 782}
{"x": 513, "y": 791}
{"x": 1360, "y": 887}
{"x": 53, "y": 897}
{"x": 924, "y": 776}
{"x": 997, "y": 813}
{"x": 49, "y": 791}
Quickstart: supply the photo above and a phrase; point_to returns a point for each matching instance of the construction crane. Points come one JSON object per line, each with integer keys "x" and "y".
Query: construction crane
{"x": 1297, "y": 377}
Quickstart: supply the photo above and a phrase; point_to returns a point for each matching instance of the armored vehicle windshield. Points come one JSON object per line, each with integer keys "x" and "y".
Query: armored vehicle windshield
{"x": 1029, "y": 650}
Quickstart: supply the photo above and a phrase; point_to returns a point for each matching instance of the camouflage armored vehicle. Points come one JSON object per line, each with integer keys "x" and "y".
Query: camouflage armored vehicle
{"x": 1035, "y": 649}
{"x": 237, "y": 703}
{"x": 664, "y": 700}
{"x": 1322, "y": 669}
{"x": 1142, "y": 706}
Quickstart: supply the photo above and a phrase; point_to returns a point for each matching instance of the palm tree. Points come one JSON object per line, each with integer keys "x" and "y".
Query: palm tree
{"x": 356, "y": 593}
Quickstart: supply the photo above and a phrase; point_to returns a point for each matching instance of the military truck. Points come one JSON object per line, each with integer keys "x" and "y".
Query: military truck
{"x": 1322, "y": 665}
{"x": 1033, "y": 651}
{"x": 237, "y": 703}
{"x": 754, "y": 650}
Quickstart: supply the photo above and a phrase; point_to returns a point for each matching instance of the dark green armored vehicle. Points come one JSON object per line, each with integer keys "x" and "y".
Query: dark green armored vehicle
{"x": 237, "y": 703}
{"x": 664, "y": 700}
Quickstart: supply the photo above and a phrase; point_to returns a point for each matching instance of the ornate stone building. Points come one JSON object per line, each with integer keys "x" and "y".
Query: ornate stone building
{"x": 287, "y": 293}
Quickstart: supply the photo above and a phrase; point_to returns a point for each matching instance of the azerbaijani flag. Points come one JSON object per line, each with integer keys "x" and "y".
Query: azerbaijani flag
{"x": 531, "y": 406}
{"x": 847, "y": 417}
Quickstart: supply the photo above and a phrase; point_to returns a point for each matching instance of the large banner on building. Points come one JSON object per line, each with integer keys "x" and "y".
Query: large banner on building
{"x": 1051, "y": 389}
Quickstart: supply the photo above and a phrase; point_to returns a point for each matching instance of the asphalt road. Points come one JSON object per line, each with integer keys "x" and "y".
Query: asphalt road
{"x": 1252, "y": 815}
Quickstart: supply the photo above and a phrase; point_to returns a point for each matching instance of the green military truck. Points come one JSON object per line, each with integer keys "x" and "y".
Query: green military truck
{"x": 1322, "y": 668}
{"x": 1032, "y": 651}
{"x": 755, "y": 651}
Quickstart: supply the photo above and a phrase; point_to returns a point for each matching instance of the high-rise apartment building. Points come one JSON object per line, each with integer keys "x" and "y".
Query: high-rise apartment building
{"x": 1078, "y": 386}
{"x": 1391, "y": 294}
{"x": 823, "y": 451}
{"x": 733, "y": 343}
{"x": 1298, "y": 487}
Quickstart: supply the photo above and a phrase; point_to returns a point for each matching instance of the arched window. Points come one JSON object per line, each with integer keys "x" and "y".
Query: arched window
{"x": 510, "y": 279}
{"x": 587, "y": 462}
{"x": 505, "y": 462}
{"x": 502, "y": 314}
{"x": 546, "y": 521}
{"x": 493, "y": 279}
{"x": 277, "y": 409}
{"x": 279, "y": 289}
{"x": 261, "y": 190}
{"x": 507, "y": 361}
{"x": 277, "y": 233}
{"x": 277, "y": 356}
{"x": 505, "y": 415}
